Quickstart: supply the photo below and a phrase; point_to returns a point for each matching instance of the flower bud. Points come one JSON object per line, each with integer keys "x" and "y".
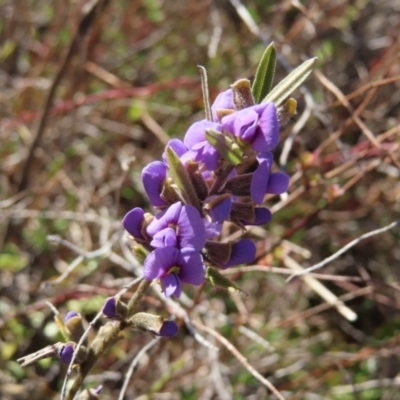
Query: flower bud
{"x": 73, "y": 324}
{"x": 154, "y": 324}
{"x": 242, "y": 94}
{"x": 66, "y": 351}
{"x": 115, "y": 309}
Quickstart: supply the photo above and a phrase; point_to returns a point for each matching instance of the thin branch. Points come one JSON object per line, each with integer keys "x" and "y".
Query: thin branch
{"x": 241, "y": 358}
{"x": 85, "y": 335}
{"x": 206, "y": 93}
{"x": 133, "y": 365}
{"x": 344, "y": 249}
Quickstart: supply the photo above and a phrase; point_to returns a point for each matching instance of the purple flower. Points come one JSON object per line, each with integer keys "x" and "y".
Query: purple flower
{"x": 98, "y": 389}
{"x": 199, "y": 148}
{"x": 133, "y": 222}
{"x": 153, "y": 177}
{"x": 173, "y": 266}
{"x": 223, "y": 101}
{"x": 109, "y": 308}
{"x": 256, "y": 125}
{"x": 179, "y": 225}
{"x": 179, "y": 148}
{"x": 219, "y": 208}
{"x": 168, "y": 329}
{"x": 243, "y": 252}
{"x": 213, "y": 229}
{"x": 263, "y": 216}
{"x": 67, "y": 353}
{"x": 263, "y": 181}
{"x": 70, "y": 315}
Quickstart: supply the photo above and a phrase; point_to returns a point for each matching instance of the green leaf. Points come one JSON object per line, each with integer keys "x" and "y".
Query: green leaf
{"x": 288, "y": 85}
{"x": 265, "y": 74}
{"x": 217, "y": 279}
{"x": 181, "y": 178}
{"x": 225, "y": 146}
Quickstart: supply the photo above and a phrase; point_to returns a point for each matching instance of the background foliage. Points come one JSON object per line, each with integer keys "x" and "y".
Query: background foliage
{"x": 130, "y": 83}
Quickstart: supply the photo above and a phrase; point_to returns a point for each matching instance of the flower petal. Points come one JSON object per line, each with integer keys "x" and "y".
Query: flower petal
{"x": 259, "y": 182}
{"x": 267, "y": 134}
{"x": 193, "y": 270}
{"x": 153, "y": 177}
{"x": 224, "y": 100}
{"x": 191, "y": 231}
{"x": 70, "y": 314}
{"x": 278, "y": 183}
{"x": 159, "y": 262}
{"x": 243, "y": 252}
{"x": 168, "y": 329}
{"x": 171, "y": 285}
{"x": 109, "y": 308}
{"x": 67, "y": 353}
{"x": 165, "y": 218}
{"x": 263, "y": 216}
{"x": 176, "y": 145}
{"x": 165, "y": 237}
{"x": 133, "y": 221}
{"x": 221, "y": 210}
{"x": 197, "y": 132}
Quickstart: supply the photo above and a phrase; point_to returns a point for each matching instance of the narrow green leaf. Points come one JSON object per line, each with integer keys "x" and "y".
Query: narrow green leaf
{"x": 225, "y": 146}
{"x": 217, "y": 279}
{"x": 265, "y": 74}
{"x": 181, "y": 178}
{"x": 288, "y": 85}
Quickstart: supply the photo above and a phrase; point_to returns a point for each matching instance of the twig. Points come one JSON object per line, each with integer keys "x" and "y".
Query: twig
{"x": 339, "y": 95}
{"x": 85, "y": 335}
{"x": 87, "y": 19}
{"x": 344, "y": 249}
{"x": 240, "y": 357}
{"x": 321, "y": 290}
{"x": 133, "y": 364}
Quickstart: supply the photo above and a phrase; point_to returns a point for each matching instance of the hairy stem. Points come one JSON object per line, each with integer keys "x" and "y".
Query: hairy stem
{"x": 108, "y": 335}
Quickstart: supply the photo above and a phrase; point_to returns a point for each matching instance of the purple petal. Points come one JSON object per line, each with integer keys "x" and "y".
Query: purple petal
{"x": 267, "y": 134}
{"x": 245, "y": 124}
{"x": 98, "y": 389}
{"x": 171, "y": 285}
{"x": 221, "y": 211}
{"x": 168, "y": 329}
{"x": 191, "y": 231}
{"x": 70, "y": 314}
{"x": 213, "y": 229}
{"x": 159, "y": 262}
{"x": 263, "y": 216}
{"x": 166, "y": 237}
{"x": 197, "y": 132}
{"x": 133, "y": 221}
{"x": 278, "y": 183}
{"x": 165, "y": 218}
{"x": 193, "y": 270}
{"x": 176, "y": 145}
{"x": 205, "y": 153}
{"x": 66, "y": 354}
{"x": 243, "y": 252}
{"x": 259, "y": 182}
{"x": 109, "y": 309}
{"x": 223, "y": 100}
{"x": 153, "y": 177}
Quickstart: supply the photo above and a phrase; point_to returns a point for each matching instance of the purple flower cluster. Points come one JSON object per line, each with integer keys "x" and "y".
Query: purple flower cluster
{"x": 182, "y": 237}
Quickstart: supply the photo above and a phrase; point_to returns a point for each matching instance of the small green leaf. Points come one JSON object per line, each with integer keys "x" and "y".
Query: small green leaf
{"x": 181, "y": 178}
{"x": 288, "y": 85}
{"x": 217, "y": 279}
{"x": 265, "y": 74}
{"x": 225, "y": 146}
